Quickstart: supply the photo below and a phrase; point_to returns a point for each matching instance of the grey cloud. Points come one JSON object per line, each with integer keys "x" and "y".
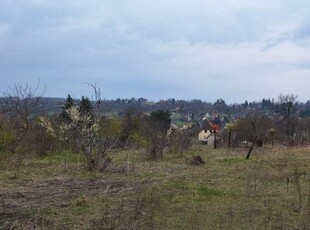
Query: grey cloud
{"x": 142, "y": 47}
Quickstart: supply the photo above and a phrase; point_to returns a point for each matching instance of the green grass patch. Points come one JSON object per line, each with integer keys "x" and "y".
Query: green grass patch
{"x": 180, "y": 186}
{"x": 186, "y": 191}
{"x": 62, "y": 158}
{"x": 209, "y": 192}
{"x": 233, "y": 160}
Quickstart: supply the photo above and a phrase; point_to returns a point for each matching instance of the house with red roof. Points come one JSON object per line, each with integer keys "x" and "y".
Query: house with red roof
{"x": 209, "y": 133}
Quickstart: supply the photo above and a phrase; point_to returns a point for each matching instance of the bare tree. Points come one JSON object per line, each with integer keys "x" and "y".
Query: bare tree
{"x": 155, "y": 131}
{"x": 302, "y": 135}
{"x": 97, "y": 99}
{"x": 21, "y": 104}
{"x": 178, "y": 140}
{"x": 254, "y": 128}
{"x": 287, "y": 110}
{"x": 107, "y": 134}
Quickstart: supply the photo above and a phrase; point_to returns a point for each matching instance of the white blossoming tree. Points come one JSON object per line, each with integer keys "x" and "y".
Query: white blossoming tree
{"x": 94, "y": 135}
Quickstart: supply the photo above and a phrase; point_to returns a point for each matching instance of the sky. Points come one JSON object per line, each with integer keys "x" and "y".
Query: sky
{"x": 184, "y": 49}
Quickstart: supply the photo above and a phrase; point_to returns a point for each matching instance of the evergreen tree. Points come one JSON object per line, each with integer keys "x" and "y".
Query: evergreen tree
{"x": 86, "y": 107}
{"x": 161, "y": 119}
{"x": 67, "y": 105}
{"x": 246, "y": 104}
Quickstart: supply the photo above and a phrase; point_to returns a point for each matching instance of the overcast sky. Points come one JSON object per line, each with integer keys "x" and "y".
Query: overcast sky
{"x": 185, "y": 49}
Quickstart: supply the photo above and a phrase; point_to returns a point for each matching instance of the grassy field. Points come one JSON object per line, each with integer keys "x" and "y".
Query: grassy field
{"x": 271, "y": 190}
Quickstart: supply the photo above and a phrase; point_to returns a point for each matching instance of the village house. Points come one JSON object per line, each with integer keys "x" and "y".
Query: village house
{"x": 209, "y": 133}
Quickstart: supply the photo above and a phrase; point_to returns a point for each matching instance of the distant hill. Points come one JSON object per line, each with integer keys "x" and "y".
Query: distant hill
{"x": 181, "y": 110}
{"x": 48, "y": 105}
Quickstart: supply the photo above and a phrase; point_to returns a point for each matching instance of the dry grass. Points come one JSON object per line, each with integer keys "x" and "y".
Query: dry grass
{"x": 271, "y": 190}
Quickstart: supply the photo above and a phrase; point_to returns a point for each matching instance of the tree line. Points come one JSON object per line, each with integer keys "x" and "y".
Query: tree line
{"x": 83, "y": 126}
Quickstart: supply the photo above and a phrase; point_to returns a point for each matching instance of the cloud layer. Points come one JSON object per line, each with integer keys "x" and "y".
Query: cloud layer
{"x": 231, "y": 49}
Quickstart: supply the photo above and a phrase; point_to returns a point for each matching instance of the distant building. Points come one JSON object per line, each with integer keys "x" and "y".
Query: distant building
{"x": 208, "y": 133}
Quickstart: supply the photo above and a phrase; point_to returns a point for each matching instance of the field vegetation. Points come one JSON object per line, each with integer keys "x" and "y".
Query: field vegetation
{"x": 224, "y": 191}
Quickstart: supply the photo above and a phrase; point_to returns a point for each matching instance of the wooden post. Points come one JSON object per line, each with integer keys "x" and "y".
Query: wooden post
{"x": 214, "y": 131}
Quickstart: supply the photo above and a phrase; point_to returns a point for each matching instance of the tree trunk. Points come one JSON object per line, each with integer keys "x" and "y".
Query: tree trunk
{"x": 214, "y": 139}
{"x": 251, "y": 148}
{"x": 89, "y": 160}
{"x": 102, "y": 162}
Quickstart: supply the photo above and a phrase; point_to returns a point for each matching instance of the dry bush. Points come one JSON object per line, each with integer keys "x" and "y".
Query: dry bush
{"x": 196, "y": 160}
{"x": 179, "y": 141}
